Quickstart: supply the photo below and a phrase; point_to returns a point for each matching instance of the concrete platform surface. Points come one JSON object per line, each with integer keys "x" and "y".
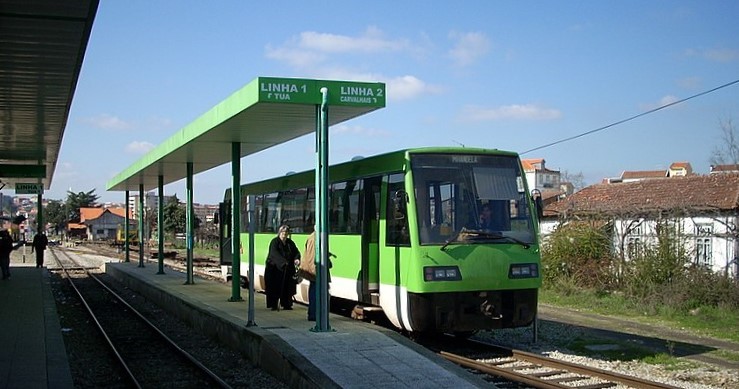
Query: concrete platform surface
{"x": 32, "y": 353}
{"x": 353, "y": 355}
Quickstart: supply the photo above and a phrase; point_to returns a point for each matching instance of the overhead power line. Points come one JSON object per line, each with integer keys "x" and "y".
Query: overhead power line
{"x": 632, "y": 117}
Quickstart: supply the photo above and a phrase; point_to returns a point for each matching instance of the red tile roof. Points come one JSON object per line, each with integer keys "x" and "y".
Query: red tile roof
{"x": 724, "y": 168}
{"x": 677, "y": 195}
{"x": 643, "y": 174}
{"x": 87, "y": 214}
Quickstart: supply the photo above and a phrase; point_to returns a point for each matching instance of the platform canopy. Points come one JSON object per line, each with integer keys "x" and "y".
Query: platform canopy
{"x": 266, "y": 112}
{"x": 42, "y": 45}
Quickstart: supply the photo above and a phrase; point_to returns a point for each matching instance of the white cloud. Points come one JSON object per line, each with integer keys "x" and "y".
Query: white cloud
{"x": 715, "y": 55}
{"x": 515, "y": 111}
{"x": 295, "y": 57}
{"x": 722, "y": 55}
{"x": 318, "y": 55}
{"x": 136, "y": 147}
{"x": 107, "y": 122}
{"x": 357, "y": 130}
{"x": 665, "y": 100}
{"x": 371, "y": 41}
{"x": 311, "y": 48}
{"x": 690, "y": 82}
{"x": 468, "y": 47}
{"x": 408, "y": 87}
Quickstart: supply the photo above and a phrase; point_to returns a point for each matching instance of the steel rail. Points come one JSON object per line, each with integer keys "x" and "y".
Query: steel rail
{"x": 122, "y": 362}
{"x": 221, "y": 383}
{"x": 537, "y": 380}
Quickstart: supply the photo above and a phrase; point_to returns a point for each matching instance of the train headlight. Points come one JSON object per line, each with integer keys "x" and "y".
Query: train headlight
{"x": 441, "y": 273}
{"x": 524, "y": 270}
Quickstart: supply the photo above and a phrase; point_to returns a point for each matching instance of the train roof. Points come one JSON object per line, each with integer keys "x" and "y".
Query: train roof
{"x": 360, "y": 167}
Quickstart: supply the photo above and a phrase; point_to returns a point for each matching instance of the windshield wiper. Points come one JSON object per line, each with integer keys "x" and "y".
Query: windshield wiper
{"x": 486, "y": 234}
{"x": 453, "y": 239}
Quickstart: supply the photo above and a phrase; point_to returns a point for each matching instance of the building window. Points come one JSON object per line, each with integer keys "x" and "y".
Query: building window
{"x": 703, "y": 247}
{"x": 635, "y": 242}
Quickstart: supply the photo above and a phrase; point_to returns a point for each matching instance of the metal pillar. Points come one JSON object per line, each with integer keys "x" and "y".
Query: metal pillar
{"x": 236, "y": 222}
{"x": 250, "y": 211}
{"x": 141, "y": 225}
{"x": 40, "y": 214}
{"x": 189, "y": 226}
{"x": 160, "y": 224}
{"x": 125, "y": 230}
{"x": 322, "y": 228}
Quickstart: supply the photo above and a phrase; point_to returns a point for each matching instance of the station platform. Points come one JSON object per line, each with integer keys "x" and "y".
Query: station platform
{"x": 354, "y": 355}
{"x": 32, "y": 353}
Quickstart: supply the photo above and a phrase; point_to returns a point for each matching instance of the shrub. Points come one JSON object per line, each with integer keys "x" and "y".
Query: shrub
{"x": 580, "y": 252}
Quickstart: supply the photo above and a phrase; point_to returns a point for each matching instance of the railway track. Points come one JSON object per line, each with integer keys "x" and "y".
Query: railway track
{"x": 537, "y": 371}
{"x": 148, "y": 357}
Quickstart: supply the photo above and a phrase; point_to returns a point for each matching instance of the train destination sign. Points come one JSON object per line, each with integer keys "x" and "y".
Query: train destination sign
{"x": 305, "y": 91}
{"x": 29, "y": 188}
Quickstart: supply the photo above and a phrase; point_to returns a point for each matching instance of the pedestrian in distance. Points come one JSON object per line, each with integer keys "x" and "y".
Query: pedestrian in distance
{"x": 40, "y": 241}
{"x": 282, "y": 259}
{"x": 6, "y": 247}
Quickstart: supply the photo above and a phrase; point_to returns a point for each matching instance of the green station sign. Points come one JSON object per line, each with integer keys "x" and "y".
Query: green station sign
{"x": 305, "y": 91}
{"x": 29, "y": 188}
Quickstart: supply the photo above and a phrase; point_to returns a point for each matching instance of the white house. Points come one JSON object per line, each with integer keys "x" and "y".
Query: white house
{"x": 702, "y": 209}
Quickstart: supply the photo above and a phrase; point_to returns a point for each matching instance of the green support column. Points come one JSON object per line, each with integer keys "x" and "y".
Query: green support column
{"x": 189, "y": 225}
{"x": 236, "y": 222}
{"x": 40, "y": 215}
{"x": 160, "y": 225}
{"x": 322, "y": 228}
{"x": 125, "y": 230}
{"x": 141, "y": 225}
{"x": 250, "y": 212}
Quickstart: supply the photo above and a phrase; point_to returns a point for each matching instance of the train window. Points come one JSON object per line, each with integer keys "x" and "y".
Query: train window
{"x": 472, "y": 192}
{"x": 244, "y": 220}
{"x": 344, "y": 207}
{"x": 271, "y": 210}
{"x": 293, "y": 209}
{"x": 310, "y": 210}
{"x": 397, "y": 233}
{"x": 259, "y": 213}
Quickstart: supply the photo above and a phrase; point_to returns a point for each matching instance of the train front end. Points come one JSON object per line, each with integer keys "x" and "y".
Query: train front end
{"x": 475, "y": 259}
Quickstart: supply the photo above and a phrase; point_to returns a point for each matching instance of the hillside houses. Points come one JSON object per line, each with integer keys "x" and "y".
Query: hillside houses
{"x": 702, "y": 209}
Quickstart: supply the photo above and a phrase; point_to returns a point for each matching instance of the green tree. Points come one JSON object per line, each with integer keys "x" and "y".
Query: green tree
{"x": 55, "y": 215}
{"x": 174, "y": 216}
{"x": 75, "y": 201}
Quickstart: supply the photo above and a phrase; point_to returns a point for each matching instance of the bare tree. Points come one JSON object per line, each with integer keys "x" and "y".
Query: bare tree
{"x": 726, "y": 153}
{"x": 576, "y": 179}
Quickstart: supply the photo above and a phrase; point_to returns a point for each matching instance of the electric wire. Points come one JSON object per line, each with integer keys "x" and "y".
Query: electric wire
{"x": 632, "y": 117}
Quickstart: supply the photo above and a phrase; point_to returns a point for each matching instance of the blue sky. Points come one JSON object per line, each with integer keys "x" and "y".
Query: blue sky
{"x": 512, "y": 75}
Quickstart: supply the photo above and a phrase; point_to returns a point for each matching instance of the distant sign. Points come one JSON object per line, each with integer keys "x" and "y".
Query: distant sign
{"x": 29, "y": 188}
{"x": 306, "y": 91}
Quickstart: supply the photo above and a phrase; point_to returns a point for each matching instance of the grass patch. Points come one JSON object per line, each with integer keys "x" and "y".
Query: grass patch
{"x": 716, "y": 322}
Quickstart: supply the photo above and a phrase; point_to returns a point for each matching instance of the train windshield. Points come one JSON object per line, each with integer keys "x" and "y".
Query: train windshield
{"x": 471, "y": 198}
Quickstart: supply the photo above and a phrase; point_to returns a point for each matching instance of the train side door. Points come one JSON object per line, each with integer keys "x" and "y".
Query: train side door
{"x": 370, "y": 240}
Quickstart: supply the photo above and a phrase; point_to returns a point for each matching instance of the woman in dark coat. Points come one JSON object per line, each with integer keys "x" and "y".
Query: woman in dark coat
{"x": 278, "y": 276}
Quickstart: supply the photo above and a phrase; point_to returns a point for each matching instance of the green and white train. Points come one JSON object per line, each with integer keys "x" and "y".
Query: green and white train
{"x": 405, "y": 229}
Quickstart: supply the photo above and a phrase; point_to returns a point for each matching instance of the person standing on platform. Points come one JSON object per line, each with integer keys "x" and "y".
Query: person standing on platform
{"x": 6, "y": 246}
{"x": 308, "y": 271}
{"x": 282, "y": 259}
{"x": 40, "y": 241}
